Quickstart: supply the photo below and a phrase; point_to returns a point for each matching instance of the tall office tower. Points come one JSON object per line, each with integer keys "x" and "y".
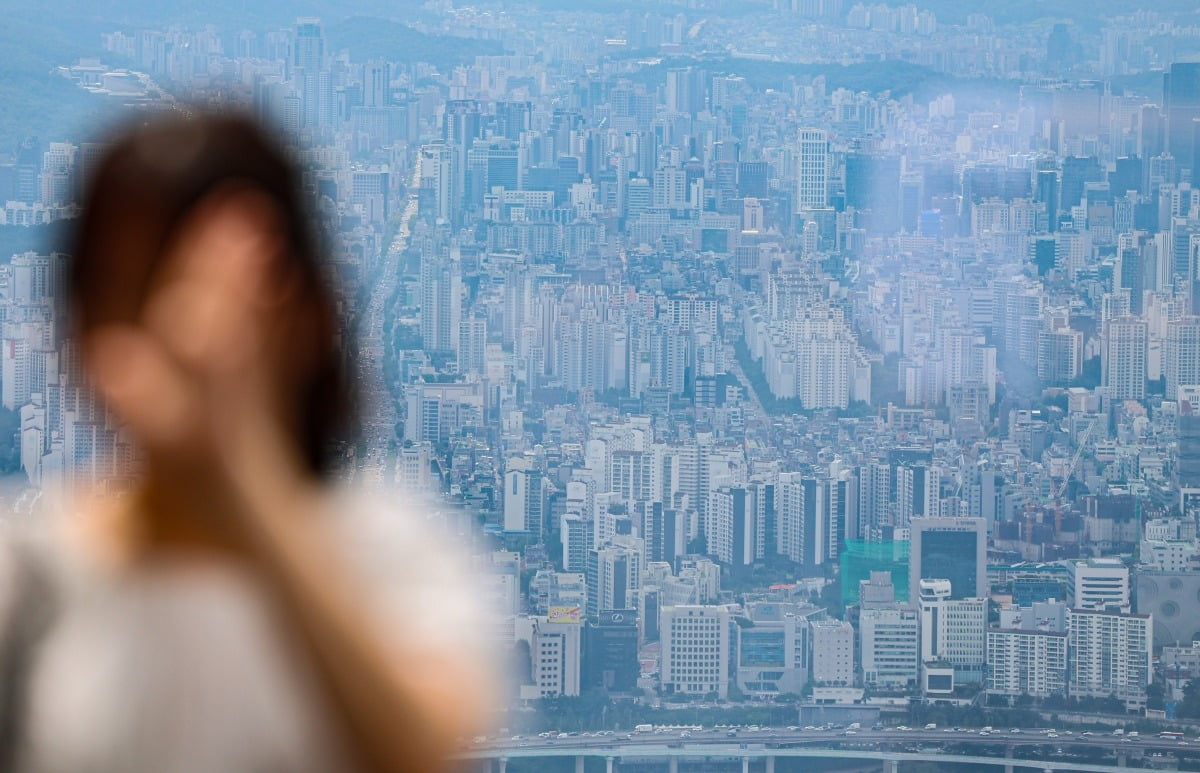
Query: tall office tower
{"x": 370, "y": 190}
{"x": 441, "y": 302}
{"x": 1027, "y": 651}
{"x": 38, "y": 278}
{"x": 832, "y": 652}
{"x": 952, "y": 549}
{"x": 1189, "y": 437}
{"x": 1181, "y": 101}
{"x": 1150, "y": 140}
{"x": 1099, "y": 583}
{"x": 437, "y": 180}
{"x": 1123, "y": 358}
{"x": 953, "y": 630}
{"x": 56, "y": 182}
{"x": 1110, "y": 655}
{"x": 512, "y": 118}
{"x": 1060, "y": 356}
{"x": 377, "y": 81}
{"x": 1184, "y": 246}
{"x": 1077, "y": 172}
{"x": 307, "y": 68}
{"x": 555, "y": 656}
{"x": 1131, "y": 276}
{"x": 695, "y": 650}
{"x": 491, "y": 164}
{"x": 462, "y": 124}
{"x": 614, "y": 575}
{"x": 1046, "y": 196}
{"x": 1017, "y": 317}
{"x": 754, "y": 179}
{"x": 1181, "y": 363}
{"x": 610, "y": 649}
{"x": 638, "y": 198}
{"x": 685, "y": 91}
{"x": 578, "y": 536}
{"x": 912, "y": 196}
{"x": 524, "y": 497}
{"x": 812, "y": 169}
{"x": 670, "y": 188}
{"x": 308, "y": 45}
{"x": 873, "y": 185}
{"x": 472, "y": 345}
{"x": 1127, "y": 176}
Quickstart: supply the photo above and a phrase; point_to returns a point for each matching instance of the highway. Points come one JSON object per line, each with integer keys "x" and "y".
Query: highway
{"x": 770, "y": 740}
{"x": 676, "y": 757}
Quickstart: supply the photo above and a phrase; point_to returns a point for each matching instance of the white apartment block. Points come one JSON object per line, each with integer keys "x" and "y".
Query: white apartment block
{"x": 1027, "y": 651}
{"x": 1110, "y": 655}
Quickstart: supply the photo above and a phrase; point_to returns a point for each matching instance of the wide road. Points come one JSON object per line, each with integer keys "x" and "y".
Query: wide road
{"x": 380, "y": 414}
{"x": 1001, "y": 737}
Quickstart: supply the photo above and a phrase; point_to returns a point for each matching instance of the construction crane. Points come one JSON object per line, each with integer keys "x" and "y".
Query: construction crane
{"x": 1056, "y": 497}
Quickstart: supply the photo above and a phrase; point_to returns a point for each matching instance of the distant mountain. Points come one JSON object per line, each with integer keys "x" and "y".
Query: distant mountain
{"x": 899, "y": 78}
{"x": 1092, "y": 13}
{"x": 34, "y": 101}
{"x": 371, "y": 38}
{"x": 116, "y": 14}
{"x": 33, "y": 41}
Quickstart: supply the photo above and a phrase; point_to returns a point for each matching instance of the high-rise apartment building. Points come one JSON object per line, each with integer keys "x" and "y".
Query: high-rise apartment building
{"x": 1110, "y": 656}
{"x": 1027, "y": 651}
{"x": 1123, "y": 358}
{"x": 1181, "y": 357}
{"x": 441, "y": 302}
{"x": 614, "y": 574}
{"x": 524, "y": 497}
{"x": 812, "y": 169}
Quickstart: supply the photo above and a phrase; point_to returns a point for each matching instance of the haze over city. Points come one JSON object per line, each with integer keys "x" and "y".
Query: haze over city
{"x": 809, "y": 380}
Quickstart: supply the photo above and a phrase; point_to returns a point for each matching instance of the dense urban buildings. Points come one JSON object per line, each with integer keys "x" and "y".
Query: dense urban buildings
{"x": 840, "y": 352}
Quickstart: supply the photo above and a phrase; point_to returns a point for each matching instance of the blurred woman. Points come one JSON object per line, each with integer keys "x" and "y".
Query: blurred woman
{"x": 233, "y": 610}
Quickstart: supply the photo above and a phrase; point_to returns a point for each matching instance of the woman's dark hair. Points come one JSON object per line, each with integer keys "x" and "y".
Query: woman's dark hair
{"x": 147, "y": 181}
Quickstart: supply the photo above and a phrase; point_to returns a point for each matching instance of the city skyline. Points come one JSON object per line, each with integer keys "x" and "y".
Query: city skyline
{"x": 844, "y": 354}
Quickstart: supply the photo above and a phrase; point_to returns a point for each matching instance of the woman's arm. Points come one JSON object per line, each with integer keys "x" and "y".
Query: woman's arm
{"x": 401, "y": 703}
